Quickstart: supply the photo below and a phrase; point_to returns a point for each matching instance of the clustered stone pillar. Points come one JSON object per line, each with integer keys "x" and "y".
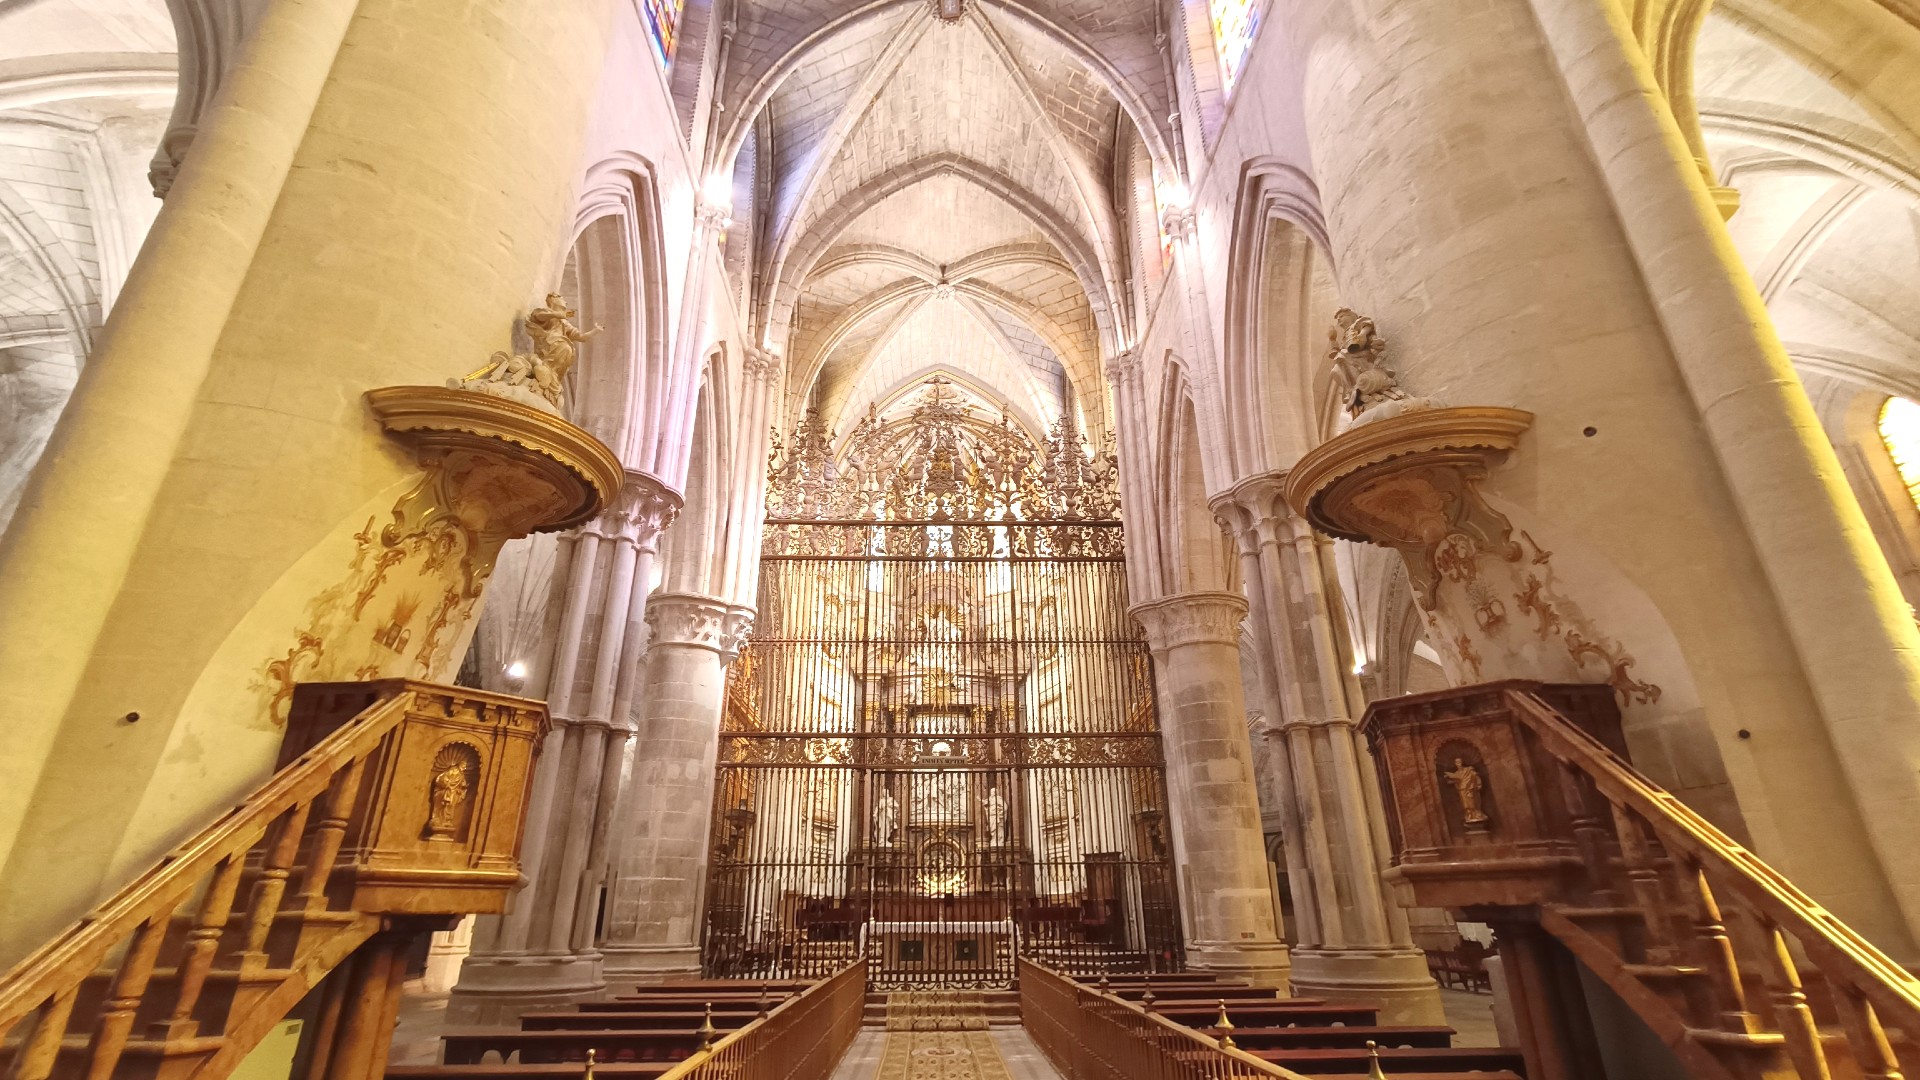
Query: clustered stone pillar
{"x": 542, "y": 949}
{"x": 654, "y": 895}
{"x": 1351, "y": 940}
{"x": 1215, "y": 811}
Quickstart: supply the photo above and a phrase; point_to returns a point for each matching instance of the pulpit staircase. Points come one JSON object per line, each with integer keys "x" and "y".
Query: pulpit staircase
{"x": 1579, "y": 861}
{"x": 362, "y": 841}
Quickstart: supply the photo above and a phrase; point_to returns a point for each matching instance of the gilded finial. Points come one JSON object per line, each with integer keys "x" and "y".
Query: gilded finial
{"x": 1103, "y": 982}
{"x": 1374, "y": 1072}
{"x": 1224, "y": 1026}
{"x": 588, "y": 1074}
{"x": 707, "y": 1031}
{"x": 1146, "y": 999}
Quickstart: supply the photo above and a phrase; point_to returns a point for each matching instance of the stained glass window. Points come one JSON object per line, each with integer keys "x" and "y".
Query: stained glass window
{"x": 1900, "y": 430}
{"x": 1234, "y": 24}
{"x": 663, "y": 26}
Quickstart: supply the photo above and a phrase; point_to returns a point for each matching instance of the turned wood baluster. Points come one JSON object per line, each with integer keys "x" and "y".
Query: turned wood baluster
{"x": 123, "y": 1000}
{"x": 1790, "y": 1009}
{"x": 1717, "y": 956}
{"x": 36, "y": 1058}
{"x": 276, "y": 866}
{"x": 1588, "y": 832}
{"x": 1868, "y": 1040}
{"x": 327, "y": 837}
{"x": 1644, "y": 878}
{"x": 203, "y": 944}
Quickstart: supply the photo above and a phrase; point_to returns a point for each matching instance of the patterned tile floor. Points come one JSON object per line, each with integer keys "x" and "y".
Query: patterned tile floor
{"x": 999, "y": 1054}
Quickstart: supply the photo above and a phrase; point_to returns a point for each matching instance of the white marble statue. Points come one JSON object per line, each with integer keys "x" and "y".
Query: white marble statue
{"x": 995, "y": 805}
{"x": 886, "y": 818}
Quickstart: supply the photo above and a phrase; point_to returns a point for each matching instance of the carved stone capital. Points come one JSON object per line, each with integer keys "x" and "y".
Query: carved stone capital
{"x": 713, "y": 217}
{"x": 703, "y": 622}
{"x": 762, "y": 365}
{"x": 1178, "y": 222}
{"x": 1204, "y": 618}
{"x": 1256, "y": 510}
{"x": 644, "y": 509}
{"x": 1123, "y": 366}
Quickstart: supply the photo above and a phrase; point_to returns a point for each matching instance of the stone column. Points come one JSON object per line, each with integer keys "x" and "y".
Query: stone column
{"x": 1353, "y": 942}
{"x": 218, "y": 457}
{"x": 1214, "y": 809}
{"x": 541, "y": 950}
{"x": 653, "y": 905}
{"x": 1131, "y": 429}
{"x": 1558, "y": 252}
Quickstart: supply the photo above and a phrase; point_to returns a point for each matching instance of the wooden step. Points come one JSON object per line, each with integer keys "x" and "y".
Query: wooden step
{"x": 1288, "y": 1038}
{"x": 1200, "y": 1015}
{"x": 1477, "y": 1074}
{"x": 694, "y": 1004}
{"x": 1396, "y": 1062}
{"x": 1205, "y": 993}
{"x": 546, "y": 1047}
{"x": 639, "y": 1070}
{"x": 577, "y": 1020}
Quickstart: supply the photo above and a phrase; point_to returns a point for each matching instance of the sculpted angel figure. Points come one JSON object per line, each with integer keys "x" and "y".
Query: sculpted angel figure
{"x": 1356, "y": 355}
{"x": 535, "y": 378}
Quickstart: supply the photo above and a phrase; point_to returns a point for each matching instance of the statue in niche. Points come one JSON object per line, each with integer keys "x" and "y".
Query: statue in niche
{"x": 534, "y": 378}
{"x": 1372, "y": 390}
{"x": 1467, "y": 783}
{"x": 448, "y": 790}
{"x": 886, "y": 819}
{"x": 995, "y": 804}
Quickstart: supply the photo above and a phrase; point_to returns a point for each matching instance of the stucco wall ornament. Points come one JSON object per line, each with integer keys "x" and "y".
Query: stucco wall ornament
{"x": 1410, "y": 482}
{"x": 537, "y": 377}
{"x": 1491, "y": 597}
{"x": 492, "y": 468}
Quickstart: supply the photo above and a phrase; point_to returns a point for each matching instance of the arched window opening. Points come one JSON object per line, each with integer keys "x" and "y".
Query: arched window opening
{"x": 1900, "y": 432}
{"x": 1234, "y": 24}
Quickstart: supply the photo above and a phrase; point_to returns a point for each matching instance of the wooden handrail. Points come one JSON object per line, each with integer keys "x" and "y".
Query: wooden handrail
{"x": 79, "y": 950}
{"x": 1870, "y": 989}
{"x": 1513, "y": 803}
{"x": 803, "y": 1038}
{"x": 1681, "y": 828}
{"x": 324, "y": 851}
{"x": 1091, "y": 1035}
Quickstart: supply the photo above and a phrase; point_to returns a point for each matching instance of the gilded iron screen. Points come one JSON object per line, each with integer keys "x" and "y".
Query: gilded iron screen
{"x": 940, "y": 747}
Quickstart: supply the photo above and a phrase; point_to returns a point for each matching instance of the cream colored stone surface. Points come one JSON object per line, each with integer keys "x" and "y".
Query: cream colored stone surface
{"x": 245, "y": 355}
{"x": 1058, "y": 205}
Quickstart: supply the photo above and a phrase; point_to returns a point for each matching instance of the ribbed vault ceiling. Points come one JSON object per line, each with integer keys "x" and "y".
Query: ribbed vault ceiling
{"x": 940, "y": 196}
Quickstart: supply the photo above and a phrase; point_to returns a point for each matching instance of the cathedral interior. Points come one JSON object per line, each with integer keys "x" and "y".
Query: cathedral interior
{"x": 959, "y": 539}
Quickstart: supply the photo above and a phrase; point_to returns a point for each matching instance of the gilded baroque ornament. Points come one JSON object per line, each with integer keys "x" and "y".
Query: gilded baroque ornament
{"x": 491, "y": 469}
{"x": 1411, "y": 482}
{"x": 939, "y": 479}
